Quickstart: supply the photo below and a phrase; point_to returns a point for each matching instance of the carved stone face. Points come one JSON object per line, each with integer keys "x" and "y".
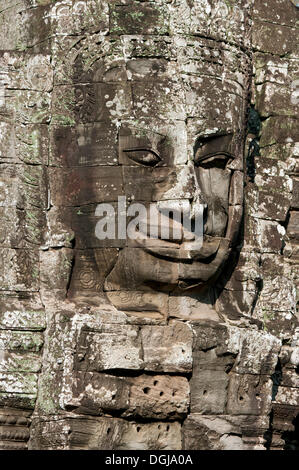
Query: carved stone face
{"x": 153, "y": 177}
{"x": 167, "y": 133}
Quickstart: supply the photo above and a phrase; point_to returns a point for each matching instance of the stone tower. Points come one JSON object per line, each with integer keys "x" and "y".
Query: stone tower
{"x": 176, "y": 106}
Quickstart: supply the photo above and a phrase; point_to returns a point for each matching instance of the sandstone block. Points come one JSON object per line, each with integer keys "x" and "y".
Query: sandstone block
{"x": 113, "y": 347}
{"x": 167, "y": 348}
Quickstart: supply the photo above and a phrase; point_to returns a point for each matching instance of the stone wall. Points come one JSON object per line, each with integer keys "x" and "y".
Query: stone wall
{"x": 75, "y": 371}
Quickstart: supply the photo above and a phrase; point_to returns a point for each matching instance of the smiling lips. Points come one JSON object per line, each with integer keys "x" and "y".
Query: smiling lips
{"x": 185, "y": 251}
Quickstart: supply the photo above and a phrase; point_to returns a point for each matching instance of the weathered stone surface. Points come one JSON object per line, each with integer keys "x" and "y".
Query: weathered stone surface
{"x": 95, "y": 394}
{"x": 112, "y": 347}
{"x": 264, "y": 236}
{"x": 267, "y": 38}
{"x": 224, "y": 433}
{"x": 290, "y": 378}
{"x": 159, "y": 397}
{"x": 295, "y": 194}
{"x": 282, "y": 13}
{"x": 149, "y": 397}
{"x": 55, "y": 271}
{"x": 249, "y": 395}
{"x": 257, "y": 351}
{"x": 18, "y": 23}
{"x": 167, "y": 348}
{"x": 272, "y": 198}
{"x": 75, "y": 17}
{"x": 18, "y": 389}
{"x": 18, "y": 383}
{"x": 278, "y": 129}
{"x": 289, "y": 395}
{"x": 148, "y": 19}
{"x": 276, "y": 305}
{"x": 19, "y": 270}
{"x": 103, "y": 434}
{"x": 284, "y": 437}
{"x": 72, "y": 187}
{"x": 293, "y": 225}
{"x": 190, "y": 106}
{"x": 209, "y": 391}
{"x": 89, "y": 270}
{"x": 14, "y": 429}
{"x": 152, "y": 436}
{"x": 12, "y": 362}
{"x": 23, "y": 229}
{"x": 79, "y": 146}
{"x": 235, "y": 304}
{"x": 24, "y": 187}
{"x": 231, "y": 370}
{"x": 243, "y": 350}
{"x": 15, "y": 316}
{"x": 190, "y": 309}
{"x": 20, "y": 341}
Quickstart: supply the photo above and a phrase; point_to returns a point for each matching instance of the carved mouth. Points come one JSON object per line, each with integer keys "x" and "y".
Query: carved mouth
{"x": 184, "y": 252}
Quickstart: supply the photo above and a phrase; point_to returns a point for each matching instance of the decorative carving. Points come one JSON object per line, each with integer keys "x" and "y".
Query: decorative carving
{"x": 149, "y": 225}
{"x": 14, "y": 429}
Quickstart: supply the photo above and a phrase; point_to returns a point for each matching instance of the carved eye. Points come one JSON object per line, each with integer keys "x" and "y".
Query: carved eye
{"x": 217, "y": 160}
{"x": 213, "y": 151}
{"x": 143, "y": 156}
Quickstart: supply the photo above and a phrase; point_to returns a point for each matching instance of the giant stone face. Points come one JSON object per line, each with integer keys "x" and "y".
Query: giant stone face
{"x": 161, "y": 122}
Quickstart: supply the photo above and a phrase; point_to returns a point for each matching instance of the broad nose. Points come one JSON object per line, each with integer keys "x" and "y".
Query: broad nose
{"x": 181, "y": 201}
{"x": 181, "y": 184}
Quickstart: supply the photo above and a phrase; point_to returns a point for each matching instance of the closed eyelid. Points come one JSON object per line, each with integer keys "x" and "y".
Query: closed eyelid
{"x": 215, "y": 145}
{"x": 142, "y": 149}
{"x": 218, "y": 159}
{"x": 143, "y": 156}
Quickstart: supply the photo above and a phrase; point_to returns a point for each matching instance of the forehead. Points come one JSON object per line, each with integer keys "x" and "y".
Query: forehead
{"x": 181, "y": 87}
{"x": 155, "y": 59}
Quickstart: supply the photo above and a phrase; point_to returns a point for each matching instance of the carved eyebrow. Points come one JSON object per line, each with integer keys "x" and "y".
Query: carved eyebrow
{"x": 213, "y": 154}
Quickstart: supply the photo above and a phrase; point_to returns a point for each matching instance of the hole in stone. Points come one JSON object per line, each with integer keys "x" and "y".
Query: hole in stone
{"x": 241, "y": 398}
{"x": 183, "y": 351}
{"x": 138, "y": 428}
{"x": 159, "y": 426}
{"x": 108, "y": 431}
{"x": 204, "y": 392}
{"x": 173, "y": 393}
{"x": 167, "y": 427}
{"x": 156, "y": 382}
{"x": 257, "y": 395}
{"x": 161, "y": 394}
{"x": 146, "y": 390}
